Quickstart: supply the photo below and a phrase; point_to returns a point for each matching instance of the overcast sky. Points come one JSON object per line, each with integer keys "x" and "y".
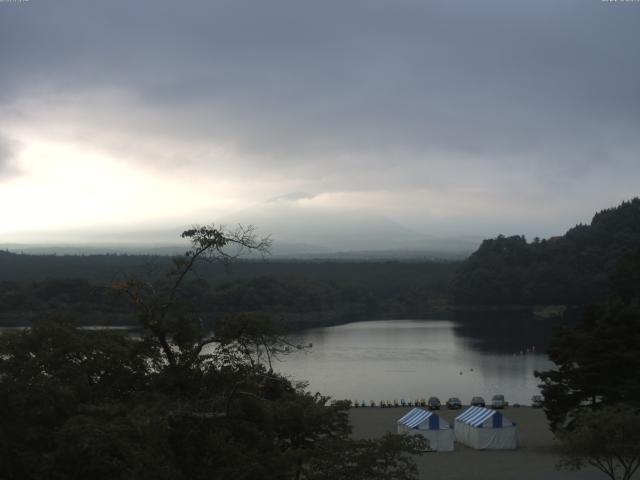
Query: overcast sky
{"x": 453, "y": 117}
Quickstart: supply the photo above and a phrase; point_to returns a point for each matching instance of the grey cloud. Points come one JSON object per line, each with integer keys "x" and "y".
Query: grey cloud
{"x": 367, "y": 94}
{"x": 7, "y": 152}
{"x": 291, "y": 197}
{"x": 308, "y": 78}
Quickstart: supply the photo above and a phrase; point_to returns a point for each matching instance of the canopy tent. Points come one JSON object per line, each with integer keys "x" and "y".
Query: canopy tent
{"x": 485, "y": 429}
{"x": 423, "y": 422}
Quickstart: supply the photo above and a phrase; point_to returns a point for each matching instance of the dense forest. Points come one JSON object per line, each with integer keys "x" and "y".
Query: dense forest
{"x": 178, "y": 401}
{"x": 573, "y": 269}
{"x": 301, "y": 294}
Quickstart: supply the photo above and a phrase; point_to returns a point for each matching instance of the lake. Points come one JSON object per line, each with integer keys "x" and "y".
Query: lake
{"x": 394, "y": 359}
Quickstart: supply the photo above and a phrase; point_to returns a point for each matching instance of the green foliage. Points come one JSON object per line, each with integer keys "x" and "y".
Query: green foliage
{"x": 51, "y": 373}
{"x": 568, "y": 270}
{"x": 382, "y": 459}
{"x": 176, "y": 401}
{"x": 607, "y": 438}
{"x": 78, "y": 404}
{"x": 302, "y": 294}
{"x": 599, "y": 358}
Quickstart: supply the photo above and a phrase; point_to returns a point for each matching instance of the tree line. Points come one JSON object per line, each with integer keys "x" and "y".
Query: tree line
{"x": 592, "y": 396}
{"x": 573, "y": 269}
{"x": 317, "y": 295}
{"x": 178, "y": 401}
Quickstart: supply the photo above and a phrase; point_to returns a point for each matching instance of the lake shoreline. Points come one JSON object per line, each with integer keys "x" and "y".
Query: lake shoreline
{"x": 415, "y": 359}
{"x": 295, "y": 321}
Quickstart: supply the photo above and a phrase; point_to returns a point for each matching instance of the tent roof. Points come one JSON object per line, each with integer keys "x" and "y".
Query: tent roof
{"x": 476, "y": 416}
{"x": 415, "y": 417}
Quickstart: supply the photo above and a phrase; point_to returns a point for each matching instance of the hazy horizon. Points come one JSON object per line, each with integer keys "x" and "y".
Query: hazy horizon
{"x": 294, "y": 233}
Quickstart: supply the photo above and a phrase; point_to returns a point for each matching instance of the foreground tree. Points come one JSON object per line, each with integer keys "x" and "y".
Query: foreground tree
{"x": 381, "y": 459}
{"x": 599, "y": 358}
{"x": 165, "y": 305}
{"x": 607, "y": 439}
{"x": 177, "y": 401}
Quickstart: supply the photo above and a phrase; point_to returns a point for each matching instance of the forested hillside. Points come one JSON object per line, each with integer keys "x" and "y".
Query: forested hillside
{"x": 573, "y": 269}
{"x": 301, "y": 293}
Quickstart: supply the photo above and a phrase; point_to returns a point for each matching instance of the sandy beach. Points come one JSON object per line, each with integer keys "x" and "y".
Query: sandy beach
{"x": 534, "y": 458}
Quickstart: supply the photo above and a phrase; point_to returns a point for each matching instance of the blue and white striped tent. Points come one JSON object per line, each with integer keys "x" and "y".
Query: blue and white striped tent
{"x": 426, "y": 423}
{"x": 482, "y": 428}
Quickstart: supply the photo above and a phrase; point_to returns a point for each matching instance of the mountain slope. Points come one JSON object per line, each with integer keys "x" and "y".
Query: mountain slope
{"x": 293, "y": 220}
{"x": 572, "y": 269}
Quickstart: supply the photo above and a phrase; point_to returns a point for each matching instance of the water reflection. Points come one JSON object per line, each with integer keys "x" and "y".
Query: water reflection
{"x": 386, "y": 360}
{"x": 504, "y": 332}
{"x": 409, "y": 359}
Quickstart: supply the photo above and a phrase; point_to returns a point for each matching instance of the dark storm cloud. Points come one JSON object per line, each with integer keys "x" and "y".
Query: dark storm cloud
{"x": 429, "y": 93}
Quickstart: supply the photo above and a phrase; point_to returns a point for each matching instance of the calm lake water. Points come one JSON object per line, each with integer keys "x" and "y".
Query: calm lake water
{"x": 410, "y": 359}
{"x": 386, "y": 360}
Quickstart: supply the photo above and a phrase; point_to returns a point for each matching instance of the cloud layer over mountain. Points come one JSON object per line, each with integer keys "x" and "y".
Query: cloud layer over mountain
{"x": 449, "y": 117}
